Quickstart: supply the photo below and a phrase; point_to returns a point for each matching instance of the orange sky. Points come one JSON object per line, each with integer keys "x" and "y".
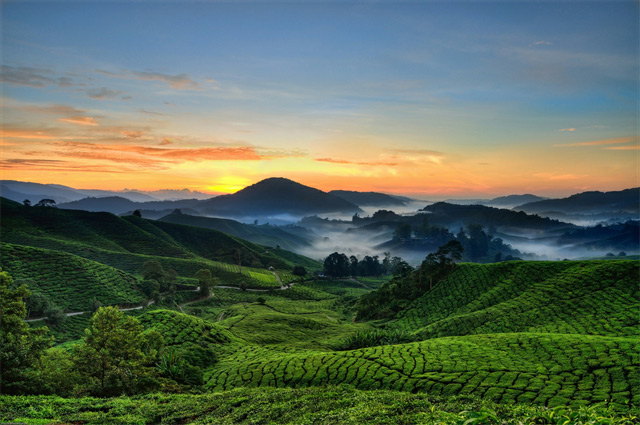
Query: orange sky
{"x": 429, "y": 100}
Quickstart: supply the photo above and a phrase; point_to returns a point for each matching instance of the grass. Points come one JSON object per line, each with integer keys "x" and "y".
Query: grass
{"x": 320, "y": 405}
{"x": 71, "y": 282}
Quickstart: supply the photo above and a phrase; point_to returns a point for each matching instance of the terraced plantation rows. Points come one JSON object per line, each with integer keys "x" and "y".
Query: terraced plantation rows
{"x": 546, "y": 369}
{"x": 579, "y": 297}
{"x": 71, "y": 282}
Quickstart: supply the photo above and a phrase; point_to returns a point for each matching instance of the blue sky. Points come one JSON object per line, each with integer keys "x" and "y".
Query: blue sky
{"x": 452, "y": 98}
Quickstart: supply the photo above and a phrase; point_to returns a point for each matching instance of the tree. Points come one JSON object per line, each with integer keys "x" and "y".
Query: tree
{"x": 20, "y": 346}
{"x": 57, "y": 373}
{"x": 46, "y": 203}
{"x": 206, "y": 281}
{"x": 299, "y": 271}
{"x": 403, "y": 231}
{"x": 337, "y": 265}
{"x": 26, "y": 203}
{"x": 137, "y": 213}
{"x": 237, "y": 255}
{"x": 116, "y": 357}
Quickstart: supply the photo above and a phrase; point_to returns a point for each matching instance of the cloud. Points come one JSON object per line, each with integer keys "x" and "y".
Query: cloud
{"x": 567, "y": 129}
{"x": 144, "y": 111}
{"x": 623, "y": 148}
{"x": 59, "y": 165}
{"x": 560, "y": 177}
{"x": 617, "y": 141}
{"x": 147, "y": 155}
{"x": 541, "y": 43}
{"x": 417, "y": 152}
{"x": 178, "y": 82}
{"x": 343, "y": 161}
{"x": 165, "y": 141}
{"x": 32, "y": 77}
{"x": 20, "y": 133}
{"x": 64, "y": 110}
{"x": 132, "y": 134}
{"x": 80, "y": 120}
{"x": 103, "y": 93}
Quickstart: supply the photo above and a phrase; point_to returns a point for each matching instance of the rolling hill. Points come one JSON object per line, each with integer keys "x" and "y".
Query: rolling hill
{"x": 627, "y": 200}
{"x": 125, "y": 243}
{"x": 277, "y": 196}
{"x": 263, "y": 235}
{"x": 362, "y": 199}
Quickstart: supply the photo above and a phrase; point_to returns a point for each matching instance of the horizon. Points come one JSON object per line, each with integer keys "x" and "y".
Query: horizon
{"x": 460, "y": 100}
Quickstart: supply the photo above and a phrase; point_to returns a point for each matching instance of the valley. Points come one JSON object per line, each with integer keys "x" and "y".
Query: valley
{"x": 441, "y": 341}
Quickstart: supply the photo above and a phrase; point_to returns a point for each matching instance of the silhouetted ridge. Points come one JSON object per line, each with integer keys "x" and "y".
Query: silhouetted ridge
{"x": 278, "y": 195}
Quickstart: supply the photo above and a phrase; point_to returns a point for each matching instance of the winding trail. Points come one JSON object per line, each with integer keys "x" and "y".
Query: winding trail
{"x": 283, "y": 287}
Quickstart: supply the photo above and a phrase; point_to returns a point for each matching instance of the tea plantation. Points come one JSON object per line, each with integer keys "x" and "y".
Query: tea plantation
{"x": 515, "y": 342}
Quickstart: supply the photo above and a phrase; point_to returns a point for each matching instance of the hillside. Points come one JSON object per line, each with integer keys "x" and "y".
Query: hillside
{"x": 120, "y": 205}
{"x": 263, "y": 235}
{"x": 550, "y": 333}
{"x": 627, "y": 200}
{"x": 126, "y": 243}
{"x": 443, "y": 213}
{"x": 368, "y": 198}
{"x": 277, "y": 196}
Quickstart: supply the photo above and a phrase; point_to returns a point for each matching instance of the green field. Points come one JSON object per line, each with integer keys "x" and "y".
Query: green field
{"x": 533, "y": 342}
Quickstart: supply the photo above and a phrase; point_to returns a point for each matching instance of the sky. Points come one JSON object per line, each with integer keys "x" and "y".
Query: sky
{"x": 441, "y": 99}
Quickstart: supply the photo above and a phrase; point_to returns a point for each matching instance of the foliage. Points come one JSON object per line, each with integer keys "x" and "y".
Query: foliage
{"x": 336, "y": 265}
{"x": 116, "y": 357}
{"x": 320, "y": 405}
{"x": 20, "y": 346}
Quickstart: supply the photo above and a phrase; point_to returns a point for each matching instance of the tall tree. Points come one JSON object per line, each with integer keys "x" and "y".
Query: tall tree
{"x": 116, "y": 357}
{"x": 20, "y": 346}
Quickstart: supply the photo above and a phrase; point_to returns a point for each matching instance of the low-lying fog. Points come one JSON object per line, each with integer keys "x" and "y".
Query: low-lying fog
{"x": 337, "y": 235}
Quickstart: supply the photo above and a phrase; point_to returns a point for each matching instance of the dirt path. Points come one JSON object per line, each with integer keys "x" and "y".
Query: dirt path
{"x": 283, "y": 287}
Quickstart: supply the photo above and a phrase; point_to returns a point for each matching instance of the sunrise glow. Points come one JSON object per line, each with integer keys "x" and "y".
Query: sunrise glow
{"x": 435, "y": 99}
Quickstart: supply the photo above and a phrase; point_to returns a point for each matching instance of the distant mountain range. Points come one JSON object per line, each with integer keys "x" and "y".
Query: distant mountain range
{"x": 627, "y": 200}
{"x": 508, "y": 201}
{"x": 19, "y": 191}
{"x": 364, "y": 199}
{"x": 277, "y": 195}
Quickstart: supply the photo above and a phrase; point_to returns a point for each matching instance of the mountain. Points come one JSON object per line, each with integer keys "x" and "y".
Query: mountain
{"x": 452, "y": 215}
{"x": 277, "y": 196}
{"x": 368, "y": 198}
{"x": 19, "y": 191}
{"x": 263, "y": 235}
{"x": 511, "y": 201}
{"x": 126, "y": 243}
{"x": 627, "y": 200}
{"x": 508, "y": 201}
{"x": 120, "y": 205}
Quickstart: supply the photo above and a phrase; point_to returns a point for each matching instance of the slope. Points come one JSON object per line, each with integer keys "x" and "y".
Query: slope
{"x": 277, "y": 196}
{"x": 563, "y": 333}
{"x": 588, "y": 203}
{"x": 263, "y": 235}
{"x": 127, "y": 242}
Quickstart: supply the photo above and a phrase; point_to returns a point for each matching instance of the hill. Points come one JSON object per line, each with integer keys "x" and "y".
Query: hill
{"x": 19, "y": 191}
{"x": 277, "y": 196}
{"x": 450, "y": 215}
{"x": 546, "y": 333}
{"x": 627, "y": 200}
{"x": 263, "y": 235}
{"x": 510, "y": 201}
{"x": 368, "y": 198}
{"x": 126, "y": 243}
{"x": 120, "y": 205}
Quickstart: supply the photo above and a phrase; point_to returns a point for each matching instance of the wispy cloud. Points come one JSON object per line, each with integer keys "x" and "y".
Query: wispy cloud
{"x": 178, "y": 81}
{"x": 623, "y": 148}
{"x": 560, "y": 177}
{"x": 103, "y": 93}
{"x": 80, "y": 120}
{"x": 567, "y": 129}
{"x": 541, "y": 43}
{"x": 344, "y": 161}
{"x": 32, "y": 77}
{"x": 617, "y": 141}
